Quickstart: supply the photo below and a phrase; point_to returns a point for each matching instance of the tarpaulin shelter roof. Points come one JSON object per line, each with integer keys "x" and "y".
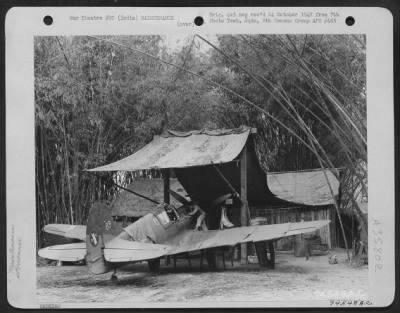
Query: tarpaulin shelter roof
{"x": 304, "y": 187}
{"x": 184, "y": 149}
{"x": 194, "y": 157}
{"x": 128, "y": 204}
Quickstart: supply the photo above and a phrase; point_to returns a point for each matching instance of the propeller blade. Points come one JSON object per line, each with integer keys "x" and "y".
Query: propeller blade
{"x": 179, "y": 197}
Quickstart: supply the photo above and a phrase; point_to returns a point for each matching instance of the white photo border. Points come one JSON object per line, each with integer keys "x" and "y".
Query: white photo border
{"x": 23, "y": 24}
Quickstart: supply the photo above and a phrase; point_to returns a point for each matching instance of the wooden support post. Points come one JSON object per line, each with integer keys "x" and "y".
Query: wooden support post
{"x": 244, "y": 221}
{"x": 166, "y": 185}
{"x": 261, "y": 250}
{"x": 329, "y": 229}
{"x": 271, "y": 251}
{"x": 278, "y": 221}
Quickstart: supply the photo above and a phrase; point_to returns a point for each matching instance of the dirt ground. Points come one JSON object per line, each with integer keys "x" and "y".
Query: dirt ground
{"x": 292, "y": 279}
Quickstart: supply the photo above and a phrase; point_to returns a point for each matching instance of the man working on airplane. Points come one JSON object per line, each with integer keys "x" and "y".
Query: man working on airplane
{"x": 201, "y": 215}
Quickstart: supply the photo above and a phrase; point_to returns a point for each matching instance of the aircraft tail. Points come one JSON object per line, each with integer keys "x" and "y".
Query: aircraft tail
{"x": 101, "y": 228}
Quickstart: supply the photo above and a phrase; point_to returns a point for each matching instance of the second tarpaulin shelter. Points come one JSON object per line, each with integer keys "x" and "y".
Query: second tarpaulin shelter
{"x": 310, "y": 193}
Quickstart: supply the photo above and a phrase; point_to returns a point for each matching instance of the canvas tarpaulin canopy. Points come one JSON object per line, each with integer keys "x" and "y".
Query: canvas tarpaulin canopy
{"x": 180, "y": 150}
{"x": 193, "y": 156}
{"x": 304, "y": 187}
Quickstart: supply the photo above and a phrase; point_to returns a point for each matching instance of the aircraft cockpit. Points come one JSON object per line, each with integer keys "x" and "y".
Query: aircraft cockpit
{"x": 167, "y": 213}
{"x": 171, "y": 212}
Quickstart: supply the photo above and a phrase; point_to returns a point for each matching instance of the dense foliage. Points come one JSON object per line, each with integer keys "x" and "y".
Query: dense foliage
{"x": 101, "y": 99}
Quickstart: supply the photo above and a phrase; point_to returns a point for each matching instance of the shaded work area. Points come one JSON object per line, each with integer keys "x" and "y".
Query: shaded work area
{"x": 220, "y": 171}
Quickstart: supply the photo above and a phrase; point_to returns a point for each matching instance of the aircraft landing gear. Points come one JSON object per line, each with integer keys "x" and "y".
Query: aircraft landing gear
{"x": 154, "y": 265}
{"x": 262, "y": 248}
{"x": 114, "y": 276}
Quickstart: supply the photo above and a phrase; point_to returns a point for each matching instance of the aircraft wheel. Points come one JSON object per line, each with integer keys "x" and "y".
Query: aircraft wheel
{"x": 114, "y": 278}
{"x": 211, "y": 259}
{"x": 154, "y": 265}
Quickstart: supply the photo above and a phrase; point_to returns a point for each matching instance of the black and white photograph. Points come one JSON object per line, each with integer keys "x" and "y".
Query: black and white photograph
{"x": 201, "y": 169}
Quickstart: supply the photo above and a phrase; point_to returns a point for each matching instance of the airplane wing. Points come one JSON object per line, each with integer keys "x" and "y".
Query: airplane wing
{"x": 121, "y": 250}
{"x": 66, "y": 230}
{"x": 69, "y": 252}
{"x": 192, "y": 240}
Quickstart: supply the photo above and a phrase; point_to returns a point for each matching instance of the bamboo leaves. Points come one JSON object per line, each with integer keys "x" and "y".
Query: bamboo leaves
{"x": 99, "y": 99}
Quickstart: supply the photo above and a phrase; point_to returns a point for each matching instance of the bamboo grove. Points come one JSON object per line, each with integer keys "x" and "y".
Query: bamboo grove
{"x": 98, "y": 99}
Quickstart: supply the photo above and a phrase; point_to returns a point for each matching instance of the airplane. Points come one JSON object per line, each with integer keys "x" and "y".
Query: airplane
{"x": 106, "y": 245}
